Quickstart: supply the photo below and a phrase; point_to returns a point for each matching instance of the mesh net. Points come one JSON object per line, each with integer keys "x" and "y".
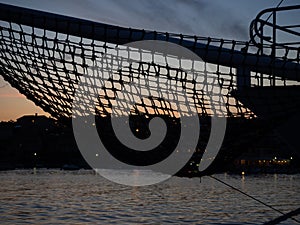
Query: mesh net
{"x": 46, "y": 66}
{"x": 48, "y": 57}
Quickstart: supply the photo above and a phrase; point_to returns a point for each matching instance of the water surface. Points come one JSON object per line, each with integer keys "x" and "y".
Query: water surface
{"x": 81, "y": 197}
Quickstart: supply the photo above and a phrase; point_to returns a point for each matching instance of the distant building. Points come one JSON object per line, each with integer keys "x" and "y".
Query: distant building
{"x": 42, "y": 121}
{"x": 6, "y": 130}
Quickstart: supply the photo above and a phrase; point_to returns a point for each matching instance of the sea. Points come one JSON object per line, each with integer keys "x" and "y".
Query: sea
{"x": 44, "y": 196}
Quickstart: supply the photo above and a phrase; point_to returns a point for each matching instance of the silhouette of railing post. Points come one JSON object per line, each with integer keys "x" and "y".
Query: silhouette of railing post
{"x": 243, "y": 77}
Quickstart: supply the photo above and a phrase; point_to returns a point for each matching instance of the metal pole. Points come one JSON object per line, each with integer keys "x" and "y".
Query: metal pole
{"x": 274, "y": 46}
{"x": 261, "y": 51}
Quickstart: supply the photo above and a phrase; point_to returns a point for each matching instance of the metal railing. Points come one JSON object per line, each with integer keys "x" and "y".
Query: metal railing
{"x": 259, "y": 29}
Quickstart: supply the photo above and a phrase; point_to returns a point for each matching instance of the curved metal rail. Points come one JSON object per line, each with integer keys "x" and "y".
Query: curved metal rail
{"x": 258, "y": 27}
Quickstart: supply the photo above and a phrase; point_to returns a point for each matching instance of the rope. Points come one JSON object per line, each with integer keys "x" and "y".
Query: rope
{"x": 284, "y": 215}
{"x": 273, "y": 11}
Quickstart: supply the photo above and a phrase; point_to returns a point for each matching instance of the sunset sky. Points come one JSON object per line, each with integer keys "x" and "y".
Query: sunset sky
{"x": 228, "y": 19}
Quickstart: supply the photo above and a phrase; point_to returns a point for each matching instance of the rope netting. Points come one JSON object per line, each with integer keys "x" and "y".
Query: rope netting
{"x": 46, "y": 61}
{"x": 48, "y": 57}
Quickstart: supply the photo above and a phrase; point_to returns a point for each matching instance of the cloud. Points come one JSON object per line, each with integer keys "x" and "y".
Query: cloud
{"x": 217, "y": 18}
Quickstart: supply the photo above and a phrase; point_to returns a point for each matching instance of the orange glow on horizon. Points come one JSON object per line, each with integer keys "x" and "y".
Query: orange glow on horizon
{"x": 14, "y": 105}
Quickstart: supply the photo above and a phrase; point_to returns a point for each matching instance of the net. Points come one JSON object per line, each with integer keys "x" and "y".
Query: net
{"x": 47, "y": 57}
{"x": 45, "y": 60}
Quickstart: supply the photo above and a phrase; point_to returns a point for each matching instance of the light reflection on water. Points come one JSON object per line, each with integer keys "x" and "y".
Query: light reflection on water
{"x": 81, "y": 197}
